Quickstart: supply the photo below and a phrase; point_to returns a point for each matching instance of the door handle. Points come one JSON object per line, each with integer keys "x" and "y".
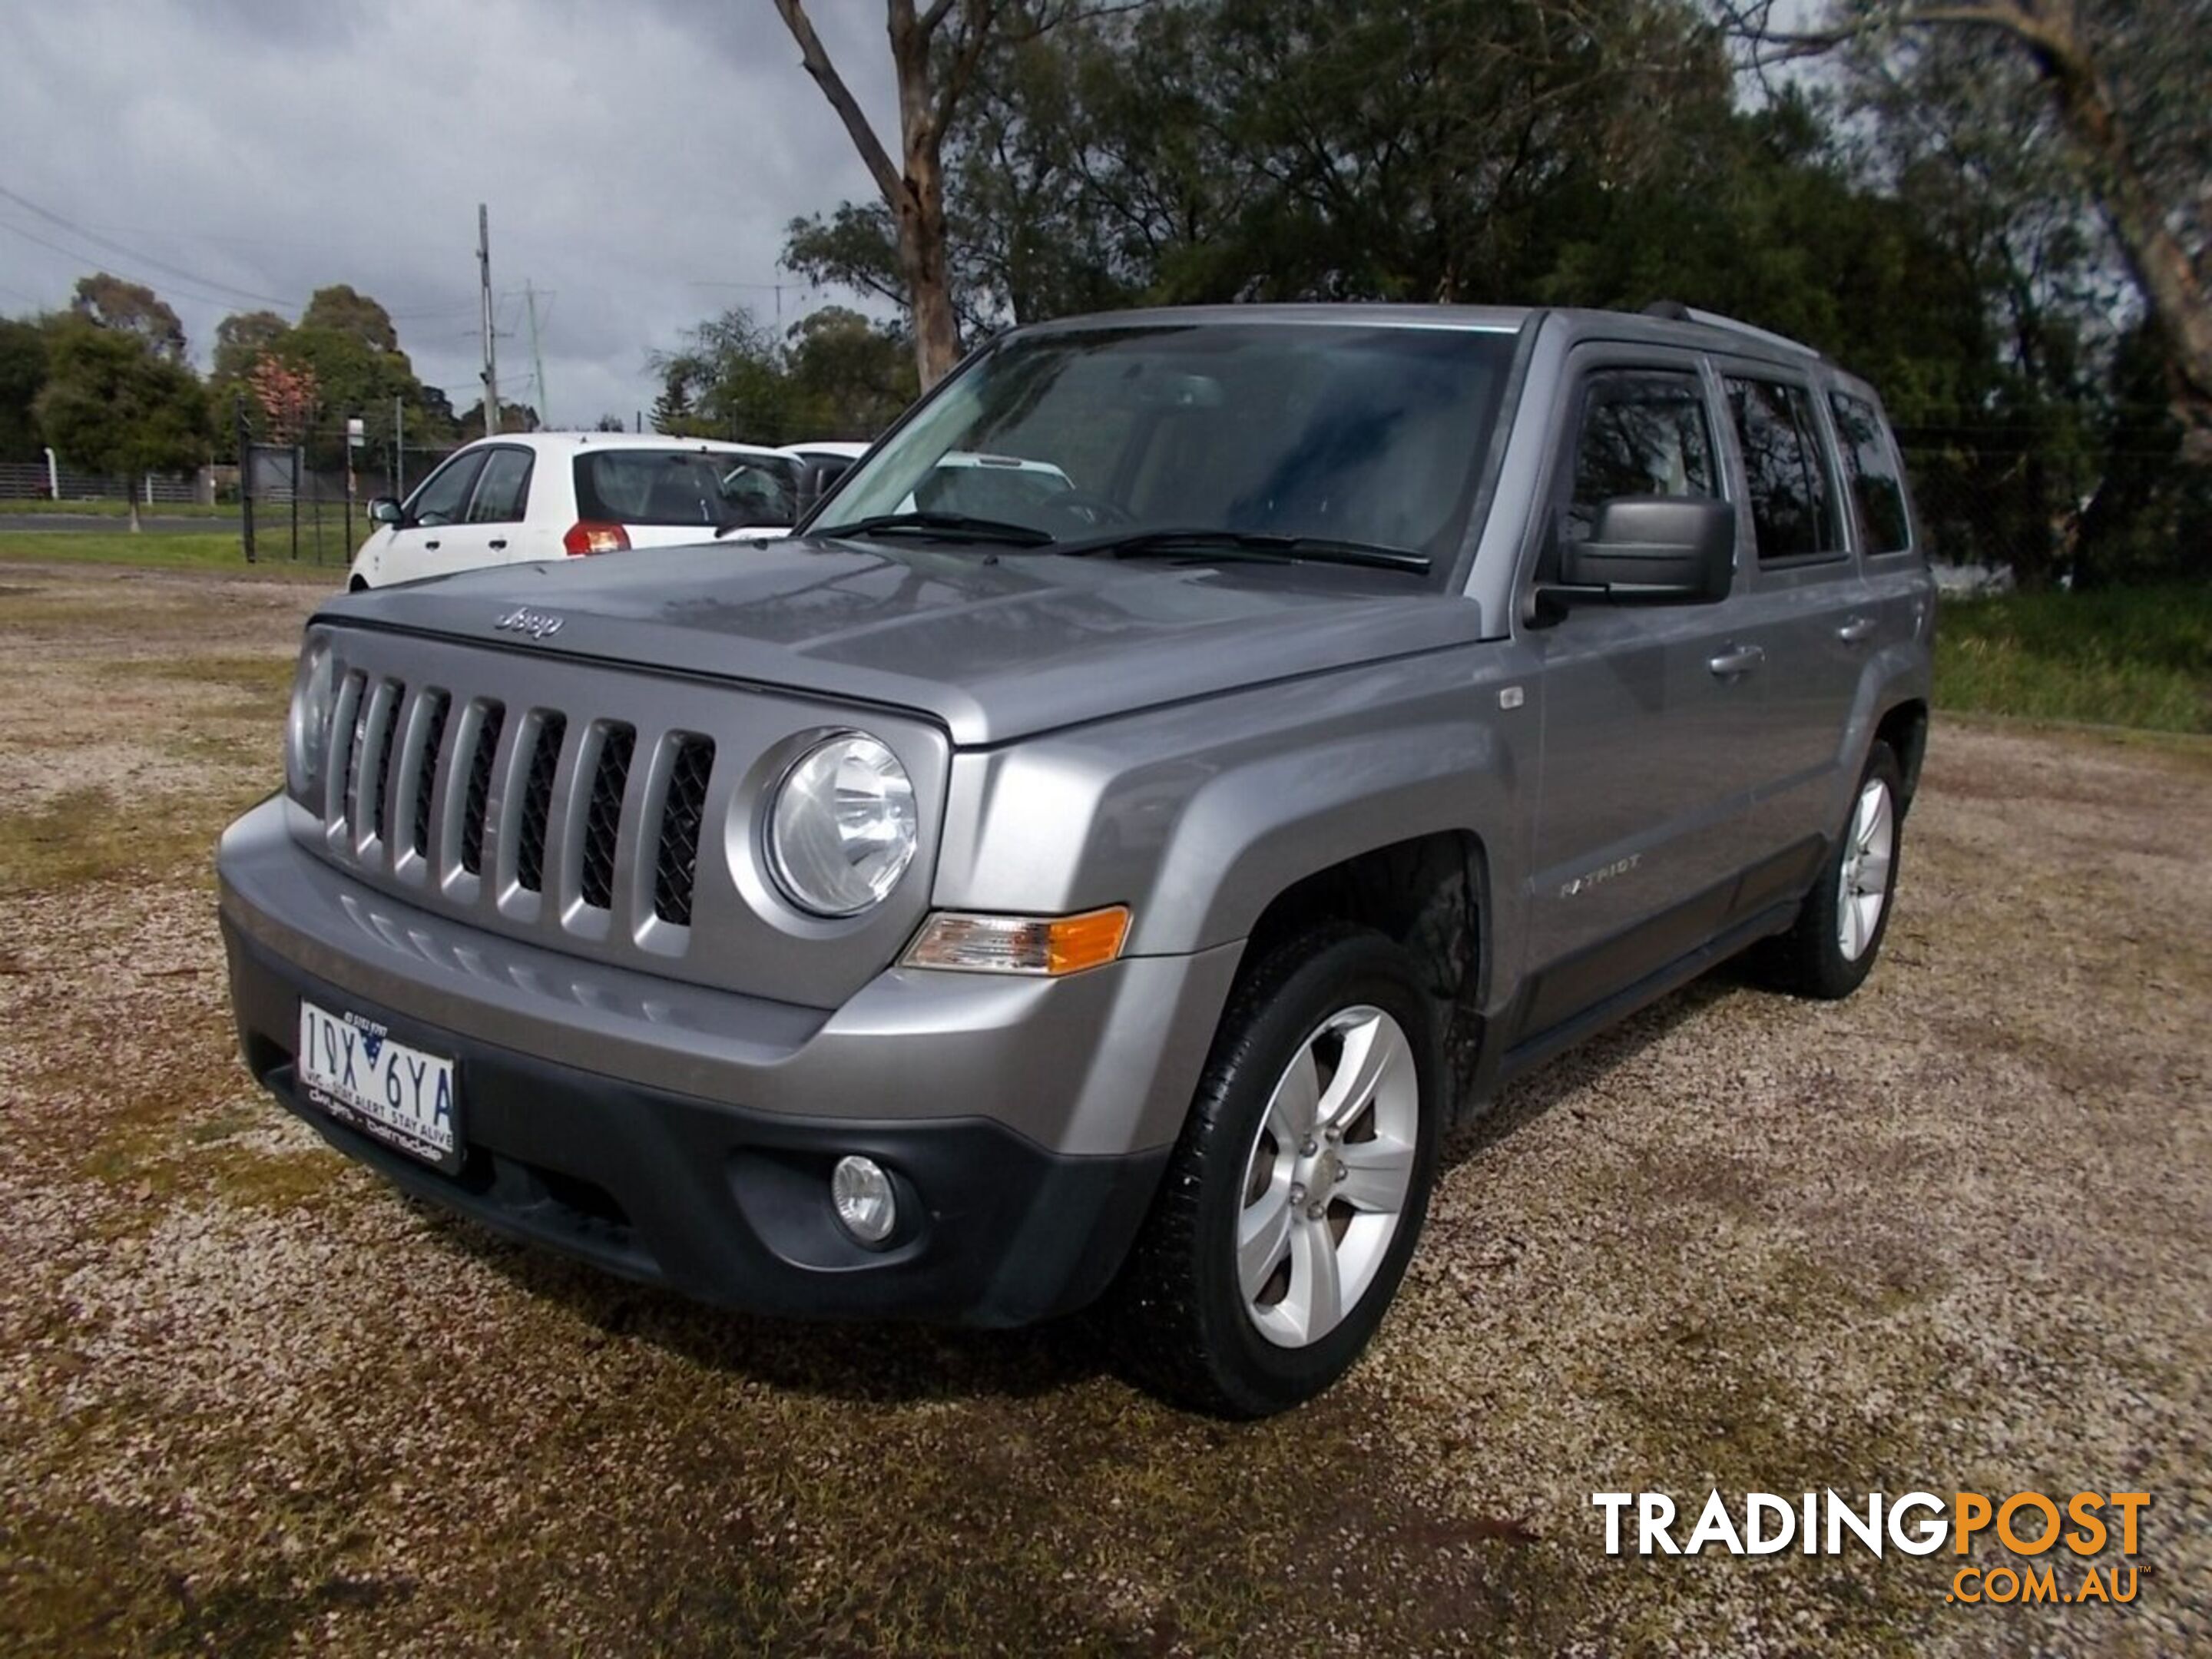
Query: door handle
{"x": 1857, "y": 631}
{"x": 500, "y": 546}
{"x": 1736, "y": 660}
{"x": 431, "y": 546}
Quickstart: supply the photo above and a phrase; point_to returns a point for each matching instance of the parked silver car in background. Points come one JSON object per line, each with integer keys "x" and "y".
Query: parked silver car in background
{"x": 1112, "y": 895}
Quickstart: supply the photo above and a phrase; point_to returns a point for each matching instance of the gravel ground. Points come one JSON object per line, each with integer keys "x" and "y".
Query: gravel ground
{"x": 1952, "y": 1234}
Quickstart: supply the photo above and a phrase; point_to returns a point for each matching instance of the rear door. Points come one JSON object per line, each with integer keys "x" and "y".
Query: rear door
{"x": 1644, "y": 793}
{"x": 1891, "y": 562}
{"x": 497, "y": 518}
{"x": 1806, "y": 607}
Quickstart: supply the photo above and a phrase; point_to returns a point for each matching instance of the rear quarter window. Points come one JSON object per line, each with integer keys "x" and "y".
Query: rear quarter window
{"x": 1871, "y": 470}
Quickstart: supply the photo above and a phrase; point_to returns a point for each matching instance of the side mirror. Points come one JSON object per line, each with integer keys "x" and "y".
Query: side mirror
{"x": 1652, "y": 550}
{"x": 816, "y": 478}
{"x": 384, "y": 510}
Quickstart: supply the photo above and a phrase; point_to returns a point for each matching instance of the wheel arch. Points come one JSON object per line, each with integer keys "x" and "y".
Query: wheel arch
{"x": 1428, "y": 893}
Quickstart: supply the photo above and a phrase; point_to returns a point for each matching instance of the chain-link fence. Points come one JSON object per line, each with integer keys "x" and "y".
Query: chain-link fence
{"x": 304, "y": 493}
{"x": 45, "y": 481}
{"x": 2035, "y": 516}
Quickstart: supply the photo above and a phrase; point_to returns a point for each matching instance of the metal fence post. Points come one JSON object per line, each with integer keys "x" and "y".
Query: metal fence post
{"x": 245, "y": 477}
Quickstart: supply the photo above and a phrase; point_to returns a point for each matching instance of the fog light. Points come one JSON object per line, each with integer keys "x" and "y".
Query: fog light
{"x": 865, "y": 1204}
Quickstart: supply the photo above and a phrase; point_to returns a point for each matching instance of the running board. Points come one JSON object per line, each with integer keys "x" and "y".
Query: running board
{"x": 1550, "y": 1043}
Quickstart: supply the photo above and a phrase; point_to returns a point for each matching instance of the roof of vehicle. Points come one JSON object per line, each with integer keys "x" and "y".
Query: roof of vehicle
{"x": 1665, "y": 324}
{"x": 556, "y": 442}
{"x": 844, "y": 447}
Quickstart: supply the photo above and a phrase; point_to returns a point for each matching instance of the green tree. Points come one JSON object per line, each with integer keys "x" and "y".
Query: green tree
{"x": 727, "y": 379}
{"x": 341, "y": 310}
{"x": 22, "y": 372}
{"x": 131, "y": 309}
{"x": 115, "y": 404}
{"x": 2118, "y": 86}
{"x": 240, "y": 339}
{"x": 849, "y": 377}
{"x": 938, "y": 50}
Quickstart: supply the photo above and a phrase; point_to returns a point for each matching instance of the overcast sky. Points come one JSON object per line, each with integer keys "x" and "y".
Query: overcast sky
{"x": 640, "y": 157}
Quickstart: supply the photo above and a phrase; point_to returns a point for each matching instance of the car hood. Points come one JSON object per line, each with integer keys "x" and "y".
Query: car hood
{"x": 992, "y": 647}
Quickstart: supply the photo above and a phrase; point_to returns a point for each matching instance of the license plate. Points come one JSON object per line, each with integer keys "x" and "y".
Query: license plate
{"x": 350, "y": 1067}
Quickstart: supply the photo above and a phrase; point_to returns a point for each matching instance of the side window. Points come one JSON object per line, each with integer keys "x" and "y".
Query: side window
{"x": 446, "y": 492}
{"x": 1643, "y": 432}
{"x": 1793, "y": 500}
{"x": 502, "y": 490}
{"x": 1870, "y": 465}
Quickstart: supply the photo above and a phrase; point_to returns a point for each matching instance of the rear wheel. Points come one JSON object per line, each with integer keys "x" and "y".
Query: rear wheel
{"x": 1299, "y": 1186}
{"x": 1831, "y": 948}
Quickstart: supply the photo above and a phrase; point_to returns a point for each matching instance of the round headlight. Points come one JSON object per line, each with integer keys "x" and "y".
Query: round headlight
{"x": 308, "y": 728}
{"x": 842, "y": 829}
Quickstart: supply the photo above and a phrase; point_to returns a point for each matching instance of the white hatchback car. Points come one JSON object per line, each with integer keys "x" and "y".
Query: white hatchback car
{"x": 543, "y": 495}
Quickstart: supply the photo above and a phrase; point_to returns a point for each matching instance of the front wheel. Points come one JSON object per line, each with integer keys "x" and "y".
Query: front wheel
{"x": 1295, "y": 1195}
{"x": 1831, "y": 948}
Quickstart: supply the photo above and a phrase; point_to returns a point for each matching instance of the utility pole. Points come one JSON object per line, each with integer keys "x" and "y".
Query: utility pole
{"x": 490, "y": 350}
{"x": 537, "y": 362}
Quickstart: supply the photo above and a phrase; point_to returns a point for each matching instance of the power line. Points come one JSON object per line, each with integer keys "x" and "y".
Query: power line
{"x": 175, "y": 272}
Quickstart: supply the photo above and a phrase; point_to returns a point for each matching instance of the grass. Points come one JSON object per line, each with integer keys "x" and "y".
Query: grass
{"x": 2138, "y": 658}
{"x": 109, "y": 509}
{"x": 152, "y": 549}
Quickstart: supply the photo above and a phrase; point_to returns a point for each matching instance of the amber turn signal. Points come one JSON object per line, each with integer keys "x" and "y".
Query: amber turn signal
{"x": 1050, "y": 945}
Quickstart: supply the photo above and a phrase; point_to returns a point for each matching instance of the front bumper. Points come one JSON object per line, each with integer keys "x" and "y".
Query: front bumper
{"x": 684, "y": 1136}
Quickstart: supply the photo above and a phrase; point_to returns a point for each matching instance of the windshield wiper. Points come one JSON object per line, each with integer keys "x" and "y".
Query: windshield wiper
{"x": 1255, "y": 543}
{"x": 948, "y": 526}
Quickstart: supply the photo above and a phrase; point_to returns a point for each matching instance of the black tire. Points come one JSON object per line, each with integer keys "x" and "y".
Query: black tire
{"x": 1810, "y": 960}
{"x": 358, "y": 585}
{"x": 1176, "y": 1317}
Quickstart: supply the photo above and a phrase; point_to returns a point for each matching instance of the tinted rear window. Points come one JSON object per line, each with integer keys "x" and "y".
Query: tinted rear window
{"x": 683, "y": 486}
{"x": 1870, "y": 465}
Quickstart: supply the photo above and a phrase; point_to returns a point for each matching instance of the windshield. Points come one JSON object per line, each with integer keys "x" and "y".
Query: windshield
{"x": 1349, "y": 432}
{"x": 714, "y": 490}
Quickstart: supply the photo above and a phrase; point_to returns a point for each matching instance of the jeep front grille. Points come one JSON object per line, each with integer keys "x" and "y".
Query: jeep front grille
{"x": 424, "y": 784}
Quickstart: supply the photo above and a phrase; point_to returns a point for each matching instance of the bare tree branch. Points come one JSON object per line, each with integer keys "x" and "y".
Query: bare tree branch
{"x": 887, "y": 176}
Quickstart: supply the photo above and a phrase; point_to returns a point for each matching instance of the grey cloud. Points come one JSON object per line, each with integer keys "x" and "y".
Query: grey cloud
{"x": 640, "y": 160}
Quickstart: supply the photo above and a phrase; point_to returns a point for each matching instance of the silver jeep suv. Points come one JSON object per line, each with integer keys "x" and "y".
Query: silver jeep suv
{"x": 996, "y": 900}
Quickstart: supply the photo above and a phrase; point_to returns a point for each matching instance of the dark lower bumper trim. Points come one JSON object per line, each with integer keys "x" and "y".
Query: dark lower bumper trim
{"x": 725, "y": 1204}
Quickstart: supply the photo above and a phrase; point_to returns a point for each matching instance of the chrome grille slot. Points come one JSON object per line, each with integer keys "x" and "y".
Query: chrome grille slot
{"x": 479, "y": 787}
{"x": 603, "y": 815}
{"x": 537, "y": 801}
{"x": 349, "y": 727}
{"x": 435, "y": 705}
{"x": 675, "y": 863}
{"x": 384, "y": 716}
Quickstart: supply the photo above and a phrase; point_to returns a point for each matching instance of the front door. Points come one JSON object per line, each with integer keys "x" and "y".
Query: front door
{"x": 432, "y": 516}
{"x": 1644, "y": 799}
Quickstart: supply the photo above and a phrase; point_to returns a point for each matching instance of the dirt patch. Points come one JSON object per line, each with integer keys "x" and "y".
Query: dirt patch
{"x": 1953, "y": 1233}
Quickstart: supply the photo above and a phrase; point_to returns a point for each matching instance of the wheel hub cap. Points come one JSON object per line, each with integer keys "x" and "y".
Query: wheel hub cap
{"x": 1328, "y": 1175}
{"x": 1862, "y": 889}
